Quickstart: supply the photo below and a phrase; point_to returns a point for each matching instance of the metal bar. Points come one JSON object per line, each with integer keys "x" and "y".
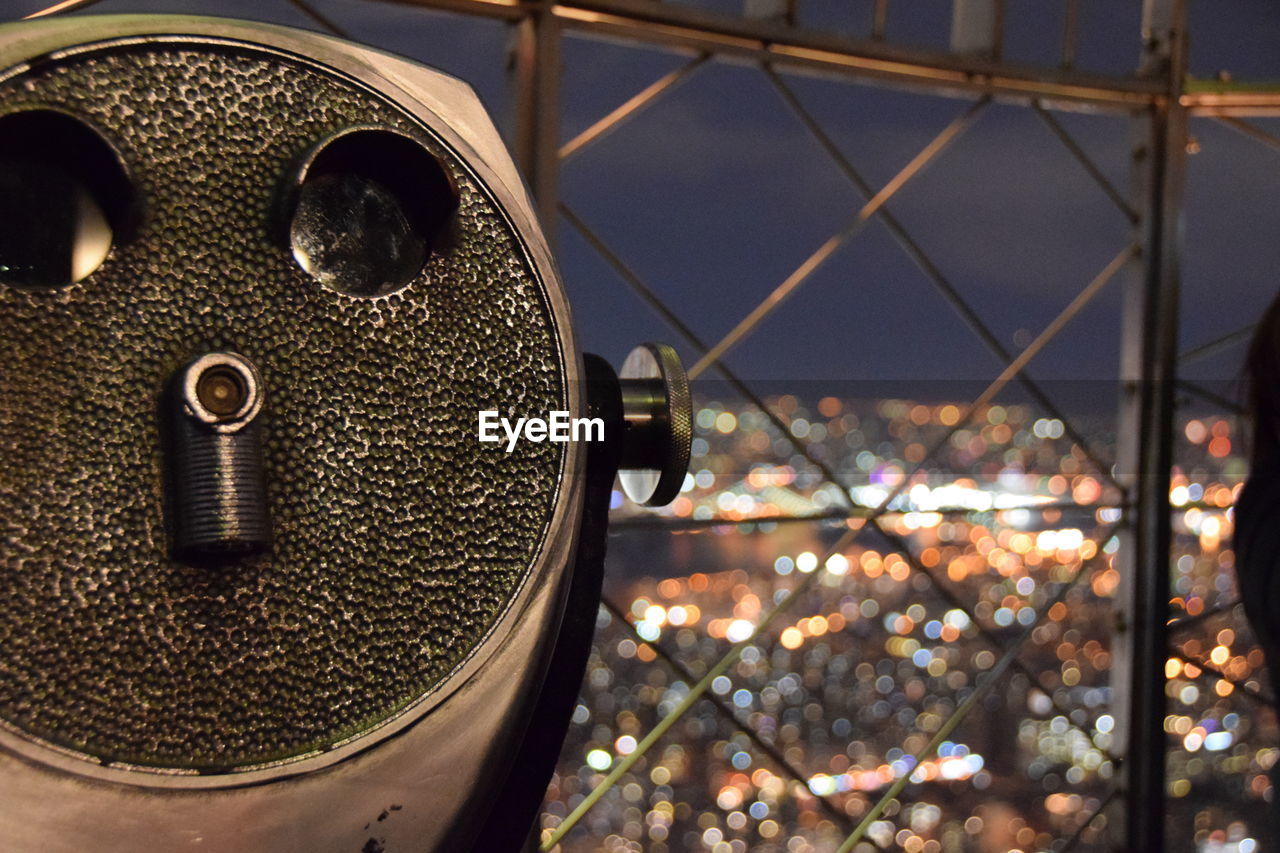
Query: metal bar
{"x": 948, "y": 594}
{"x": 59, "y": 8}
{"x": 997, "y": 31}
{"x": 663, "y": 522}
{"x": 1209, "y": 672}
{"x": 1013, "y": 369}
{"x": 833, "y": 811}
{"x": 651, "y": 521}
{"x": 1070, "y": 34}
{"x": 879, "y": 19}
{"x": 944, "y": 286}
{"x": 1179, "y": 625}
{"x": 1058, "y": 323}
{"x": 677, "y": 26}
{"x": 1226, "y": 403}
{"x": 1217, "y": 345}
{"x": 1074, "y": 839}
{"x": 824, "y": 252}
{"x": 504, "y": 10}
{"x": 1255, "y": 133}
{"x": 1083, "y": 158}
{"x": 1260, "y": 101}
{"x": 325, "y": 22}
{"x": 648, "y": 295}
{"x": 958, "y": 715}
{"x": 671, "y": 23}
{"x": 536, "y": 82}
{"x": 792, "y": 12}
{"x": 631, "y": 106}
{"x": 1148, "y": 373}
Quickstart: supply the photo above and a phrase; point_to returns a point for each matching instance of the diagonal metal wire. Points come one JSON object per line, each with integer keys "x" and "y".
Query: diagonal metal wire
{"x": 730, "y": 657}
{"x": 993, "y": 677}
{"x": 1191, "y": 621}
{"x": 320, "y": 18}
{"x": 1211, "y": 396}
{"x": 948, "y": 594}
{"x": 651, "y": 297}
{"x": 647, "y": 293}
{"x": 695, "y": 693}
{"x": 946, "y": 289}
{"x": 823, "y": 253}
{"x": 633, "y": 105}
{"x": 1012, "y": 370}
{"x": 59, "y": 8}
{"x": 1254, "y": 132}
{"x": 1058, "y": 323}
{"x": 1018, "y": 364}
{"x": 1209, "y": 672}
{"x": 1074, "y": 839}
{"x": 1217, "y": 345}
{"x": 1055, "y": 126}
{"x": 833, "y": 811}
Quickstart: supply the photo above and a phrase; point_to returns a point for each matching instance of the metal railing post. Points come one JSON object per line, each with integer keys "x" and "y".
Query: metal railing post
{"x": 1148, "y": 384}
{"x": 536, "y": 87}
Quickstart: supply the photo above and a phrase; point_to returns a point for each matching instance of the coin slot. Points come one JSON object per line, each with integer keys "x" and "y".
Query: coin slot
{"x": 366, "y": 208}
{"x": 65, "y": 200}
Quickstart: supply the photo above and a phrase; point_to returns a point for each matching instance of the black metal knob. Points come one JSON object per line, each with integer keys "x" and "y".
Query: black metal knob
{"x": 657, "y": 424}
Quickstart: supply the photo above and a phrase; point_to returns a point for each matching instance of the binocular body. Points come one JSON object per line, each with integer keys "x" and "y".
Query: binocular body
{"x": 263, "y": 587}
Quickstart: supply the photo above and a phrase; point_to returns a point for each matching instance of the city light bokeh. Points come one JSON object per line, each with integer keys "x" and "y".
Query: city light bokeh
{"x": 897, "y": 629}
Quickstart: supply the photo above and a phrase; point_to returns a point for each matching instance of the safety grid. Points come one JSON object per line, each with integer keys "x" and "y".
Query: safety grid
{"x": 836, "y": 698}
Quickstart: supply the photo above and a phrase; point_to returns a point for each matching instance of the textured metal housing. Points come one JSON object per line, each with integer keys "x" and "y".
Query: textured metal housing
{"x": 416, "y": 573}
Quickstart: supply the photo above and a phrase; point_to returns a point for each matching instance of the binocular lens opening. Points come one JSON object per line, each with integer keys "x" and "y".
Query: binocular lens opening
{"x": 369, "y": 206}
{"x": 65, "y": 200}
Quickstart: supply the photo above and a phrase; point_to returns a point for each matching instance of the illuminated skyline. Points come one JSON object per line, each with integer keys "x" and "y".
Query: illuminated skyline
{"x": 848, "y": 683}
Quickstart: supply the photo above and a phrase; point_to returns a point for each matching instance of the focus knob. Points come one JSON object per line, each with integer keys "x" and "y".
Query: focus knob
{"x": 657, "y": 424}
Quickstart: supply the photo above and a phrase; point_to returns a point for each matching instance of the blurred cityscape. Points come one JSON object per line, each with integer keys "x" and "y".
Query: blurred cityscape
{"x": 892, "y": 633}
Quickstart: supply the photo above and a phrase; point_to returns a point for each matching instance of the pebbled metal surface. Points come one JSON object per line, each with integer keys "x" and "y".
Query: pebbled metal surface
{"x": 398, "y": 540}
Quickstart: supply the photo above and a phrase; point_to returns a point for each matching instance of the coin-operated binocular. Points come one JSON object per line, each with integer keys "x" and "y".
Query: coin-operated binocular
{"x": 305, "y": 480}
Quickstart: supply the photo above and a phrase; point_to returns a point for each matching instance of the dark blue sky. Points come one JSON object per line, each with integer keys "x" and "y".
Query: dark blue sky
{"x": 716, "y": 193}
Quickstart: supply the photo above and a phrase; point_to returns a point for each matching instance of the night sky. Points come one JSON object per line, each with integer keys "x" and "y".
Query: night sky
{"x": 717, "y": 192}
